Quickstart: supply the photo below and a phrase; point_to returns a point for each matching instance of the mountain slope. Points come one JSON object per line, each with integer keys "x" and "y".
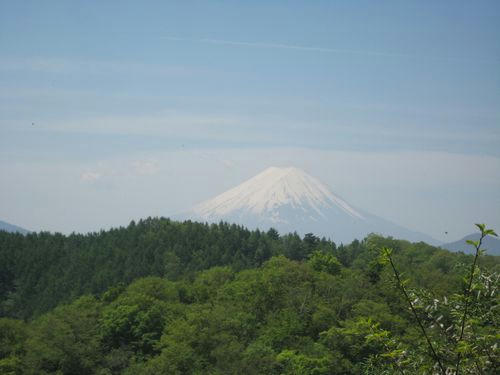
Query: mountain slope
{"x": 12, "y": 228}
{"x": 491, "y": 244}
{"x": 273, "y": 189}
{"x": 289, "y": 199}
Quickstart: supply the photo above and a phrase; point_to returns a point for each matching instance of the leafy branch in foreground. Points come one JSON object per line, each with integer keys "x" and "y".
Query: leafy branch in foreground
{"x": 456, "y": 326}
{"x": 387, "y": 254}
{"x": 477, "y": 245}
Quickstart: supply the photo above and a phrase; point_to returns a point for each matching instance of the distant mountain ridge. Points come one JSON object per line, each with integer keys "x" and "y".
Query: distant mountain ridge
{"x": 288, "y": 199}
{"x": 491, "y": 244}
{"x": 12, "y": 228}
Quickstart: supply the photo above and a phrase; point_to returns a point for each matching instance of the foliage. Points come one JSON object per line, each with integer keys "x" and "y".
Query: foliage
{"x": 457, "y": 329}
{"x": 188, "y": 298}
{"x": 42, "y": 270}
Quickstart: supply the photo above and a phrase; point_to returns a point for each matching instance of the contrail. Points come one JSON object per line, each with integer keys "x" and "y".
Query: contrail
{"x": 274, "y": 46}
{"x": 321, "y": 49}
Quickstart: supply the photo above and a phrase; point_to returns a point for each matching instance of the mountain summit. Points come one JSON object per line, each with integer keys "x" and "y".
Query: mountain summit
{"x": 272, "y": 190}
{"x": 289, "y": 200}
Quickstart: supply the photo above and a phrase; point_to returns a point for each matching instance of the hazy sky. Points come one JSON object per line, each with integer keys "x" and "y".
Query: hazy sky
{"x": 113, "y": 110}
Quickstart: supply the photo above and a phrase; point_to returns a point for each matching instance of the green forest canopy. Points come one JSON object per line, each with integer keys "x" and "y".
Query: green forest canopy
{"x": 187, "y": 298}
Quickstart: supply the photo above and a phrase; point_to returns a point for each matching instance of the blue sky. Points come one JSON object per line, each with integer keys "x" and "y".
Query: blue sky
{"x": 135, "y": 102}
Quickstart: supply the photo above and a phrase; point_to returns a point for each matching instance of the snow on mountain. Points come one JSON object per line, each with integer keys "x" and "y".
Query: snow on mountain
{"x": 273, "y": 188}
{"x": 288, "y": 199}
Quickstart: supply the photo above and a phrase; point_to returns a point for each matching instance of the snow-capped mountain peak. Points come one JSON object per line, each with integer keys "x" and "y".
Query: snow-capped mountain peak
{"x": 288, "y": 199}
{"x": 273, "y": 188}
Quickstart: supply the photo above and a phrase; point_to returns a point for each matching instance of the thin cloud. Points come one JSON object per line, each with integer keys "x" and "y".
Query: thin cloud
{"x": 219, "y": 127}
{"x": 90, "y": 176}
{"x": 113, "y": 169}
{"x": 322, "y": 49}
{"x": 92, "y": 67}
{"x": 145, "y": 167}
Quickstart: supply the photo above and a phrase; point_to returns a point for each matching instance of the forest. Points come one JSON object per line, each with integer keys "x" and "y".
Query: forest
{"x": 165, "y": 297}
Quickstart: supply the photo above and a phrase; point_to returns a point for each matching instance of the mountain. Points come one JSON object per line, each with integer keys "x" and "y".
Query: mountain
{"x": 288, "y": 199}
{"x": 491, "y": 244}
{"x": 12, "y": 228}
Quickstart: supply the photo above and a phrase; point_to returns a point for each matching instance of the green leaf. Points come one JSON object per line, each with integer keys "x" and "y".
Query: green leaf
{"x": 491, "y": 232}
{"x": 481, "y": 227}
{"x": 387, "y": 251}
{"x": 385, "y": 255}
{"x": 473, "y": 243}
